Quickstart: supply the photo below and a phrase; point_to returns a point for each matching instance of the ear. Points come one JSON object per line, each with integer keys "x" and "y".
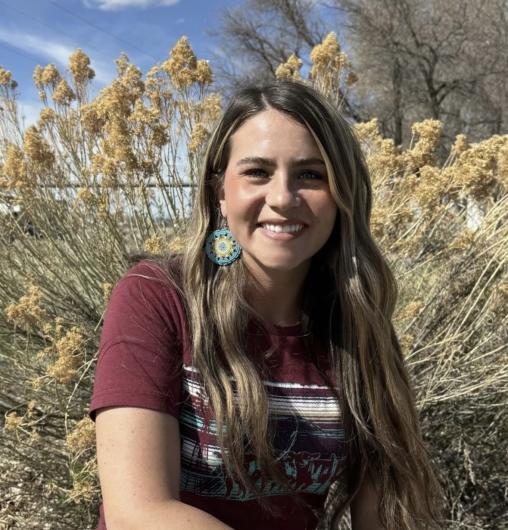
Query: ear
{"x": 222, "y": 201}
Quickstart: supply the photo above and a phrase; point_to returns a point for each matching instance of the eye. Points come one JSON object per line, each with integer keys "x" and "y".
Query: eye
{"x": 255, "y": 172}
{"x": 313, "y": 175}
{"x": 307, "y": 174}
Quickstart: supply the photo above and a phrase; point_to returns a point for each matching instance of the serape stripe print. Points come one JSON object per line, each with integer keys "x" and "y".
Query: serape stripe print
{"x": 308, "y": 440}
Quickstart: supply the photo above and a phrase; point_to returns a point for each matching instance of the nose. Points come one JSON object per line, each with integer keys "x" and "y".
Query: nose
{"x": 281, "y": 193}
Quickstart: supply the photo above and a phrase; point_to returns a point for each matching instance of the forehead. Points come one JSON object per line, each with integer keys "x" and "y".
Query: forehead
{"x": 270, "y": 133}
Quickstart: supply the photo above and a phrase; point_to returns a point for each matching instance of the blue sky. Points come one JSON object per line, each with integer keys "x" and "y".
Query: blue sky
{"x": 47, "y": 31}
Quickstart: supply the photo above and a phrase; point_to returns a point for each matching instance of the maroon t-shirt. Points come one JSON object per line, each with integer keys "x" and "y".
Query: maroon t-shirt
{"x": 144, "y": 342}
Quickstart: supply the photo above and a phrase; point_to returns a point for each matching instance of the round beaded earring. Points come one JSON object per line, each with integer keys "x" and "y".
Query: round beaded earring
{"x": 221, "y": 247}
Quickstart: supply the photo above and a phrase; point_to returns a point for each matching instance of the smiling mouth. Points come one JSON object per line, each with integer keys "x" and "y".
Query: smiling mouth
{"x": 279, "y": 228}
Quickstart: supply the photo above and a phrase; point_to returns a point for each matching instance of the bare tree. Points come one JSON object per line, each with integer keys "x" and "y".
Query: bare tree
{"x": 262, "y": 34}
{"x": 255, "y": 38}
{"x": 444, "y": 59}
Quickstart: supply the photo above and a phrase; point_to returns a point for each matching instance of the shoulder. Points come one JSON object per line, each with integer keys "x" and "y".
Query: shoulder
{"x": 149, "y": 288}
{"x": 153, "y": 277}
{"x": 166, "y": 271}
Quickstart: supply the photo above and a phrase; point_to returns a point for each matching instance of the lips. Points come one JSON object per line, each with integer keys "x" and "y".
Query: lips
{"x": 288, "y": 229}
{"x": 284, "y": 222}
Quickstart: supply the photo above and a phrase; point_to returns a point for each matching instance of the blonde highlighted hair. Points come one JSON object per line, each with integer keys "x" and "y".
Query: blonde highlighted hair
{"x": 349, "y": 300}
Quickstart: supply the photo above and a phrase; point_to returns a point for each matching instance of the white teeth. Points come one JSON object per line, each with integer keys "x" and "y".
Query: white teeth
{"x": 283, "y": 228}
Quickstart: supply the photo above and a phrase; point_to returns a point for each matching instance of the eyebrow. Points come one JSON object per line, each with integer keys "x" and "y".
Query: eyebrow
{"x": 270, "y": 162}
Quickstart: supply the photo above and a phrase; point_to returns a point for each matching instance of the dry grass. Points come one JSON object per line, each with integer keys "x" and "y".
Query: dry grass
{"x": 98, "y": 179}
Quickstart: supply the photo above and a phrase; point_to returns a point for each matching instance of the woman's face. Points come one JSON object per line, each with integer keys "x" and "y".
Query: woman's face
{"x": 275, "y": 194}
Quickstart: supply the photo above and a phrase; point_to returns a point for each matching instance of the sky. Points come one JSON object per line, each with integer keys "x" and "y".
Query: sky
{"x": 36, "y": 32}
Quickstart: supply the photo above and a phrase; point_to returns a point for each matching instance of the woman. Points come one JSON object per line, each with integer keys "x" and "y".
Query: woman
{"x": 256, "y": 380}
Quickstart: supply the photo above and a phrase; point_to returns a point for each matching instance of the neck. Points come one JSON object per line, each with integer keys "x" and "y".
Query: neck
{"x": 277, "y": 295}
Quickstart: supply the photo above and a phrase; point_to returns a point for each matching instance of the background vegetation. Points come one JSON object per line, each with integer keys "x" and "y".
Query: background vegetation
{"x": 96, "y": 179}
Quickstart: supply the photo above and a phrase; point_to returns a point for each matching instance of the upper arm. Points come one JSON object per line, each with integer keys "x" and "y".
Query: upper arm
{"x": 138, "y": 456}
{"x": 364, "y": 508}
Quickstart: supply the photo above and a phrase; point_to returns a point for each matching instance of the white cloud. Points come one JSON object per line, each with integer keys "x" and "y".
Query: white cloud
{"x": 54, "y": 51}
{"x": 117, "y": 5}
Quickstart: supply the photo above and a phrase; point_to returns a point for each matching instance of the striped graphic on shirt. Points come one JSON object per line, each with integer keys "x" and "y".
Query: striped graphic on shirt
{"x": 308, "y": 438}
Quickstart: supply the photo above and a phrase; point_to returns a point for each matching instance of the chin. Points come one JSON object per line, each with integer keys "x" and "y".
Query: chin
{"x": 280, "y": 265}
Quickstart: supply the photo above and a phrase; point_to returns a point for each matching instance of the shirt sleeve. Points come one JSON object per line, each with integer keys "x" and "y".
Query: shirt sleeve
{"x": 140, "y": 352}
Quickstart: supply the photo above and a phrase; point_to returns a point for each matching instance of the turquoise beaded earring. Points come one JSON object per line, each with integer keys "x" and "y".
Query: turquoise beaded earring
{"x": 221, "y": 247}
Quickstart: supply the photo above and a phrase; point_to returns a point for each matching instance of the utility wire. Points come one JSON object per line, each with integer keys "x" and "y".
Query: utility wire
{"x": 24, "y": 13}
{"x": 112, "y": 35}
{"x": 17, "y": 51}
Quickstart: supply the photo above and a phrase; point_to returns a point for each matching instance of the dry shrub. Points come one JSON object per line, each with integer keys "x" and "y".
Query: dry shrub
{"x": 96, "y": 180}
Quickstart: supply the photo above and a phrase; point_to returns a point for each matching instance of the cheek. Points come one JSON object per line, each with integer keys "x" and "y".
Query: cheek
{"x": 327, "y": 211}
{"x": 242, "y": 201}
{"x": 322, "y": 204}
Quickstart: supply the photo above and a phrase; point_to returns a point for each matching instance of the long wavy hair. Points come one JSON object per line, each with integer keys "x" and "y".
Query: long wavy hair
{"x": 349, "y": 300}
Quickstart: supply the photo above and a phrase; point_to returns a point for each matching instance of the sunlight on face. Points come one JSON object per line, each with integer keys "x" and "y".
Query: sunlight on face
{"x": 275, "y": 195}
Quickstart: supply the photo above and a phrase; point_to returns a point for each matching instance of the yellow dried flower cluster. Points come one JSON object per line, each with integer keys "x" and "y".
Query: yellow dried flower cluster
{"x": 183, "y": 68}
{"x": 145, "y": 121}
{"x": 117, "y": 100}
{"x": 90, "y": 119}
{"x": 154, "y": 245}
{"x": 142, "y": 115}
{"x": 79, "y": 65}
{"x": 103, "y": 206}
{"x": 27, "y": 311}
{"x": 46, "y": 117}
{"x": 204, "y": 73}
{"x": 6, "y": 79}
{"x": 5, "y": 76}
{"x": 383, "y": 157}
{"x": 368, "y": 131}
{"x": 327, "y": 57}
{"x": 109, "y": 116}
{"x": 63, "y": 94}
{"x": 423, "y": 152}
{"x": 106, "y": 291}
{"x": 154, "y": 90}
{"x": 68, "y": 349}
{"x": 37, "y": 382}
{"x": 122, "y": 63}
{"x": 176, "y": 244}
{"x": 49, "y": 76}
{"x": 386, "y": 160}
{"x": 502, "y": 166}
{"x": 290, "y": 69}
{"x": 12, "y": 421}
{"x": 428, "y": 188}
{"x": 119, "y": 144}
{"x": 85, "y": 196}
{"x": 398, "y": 216}
{"x": 406, "y": 341}
{"x": 464, "y": 240}
{"x": 211, "y": 107}
{"x": 411, "y": 310}
{"x": 37, "y": 149}
{"x": 460, "y": 145}
{"x": 82, "y": 437}
{"x": 83, "y": 491}
{"x": 198, "y": 137}
{"x": 480, "y": 169}
{"x": 13, "y": 173}
{"x": 107, "y": 166}
{"x": 54, "y": 330}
